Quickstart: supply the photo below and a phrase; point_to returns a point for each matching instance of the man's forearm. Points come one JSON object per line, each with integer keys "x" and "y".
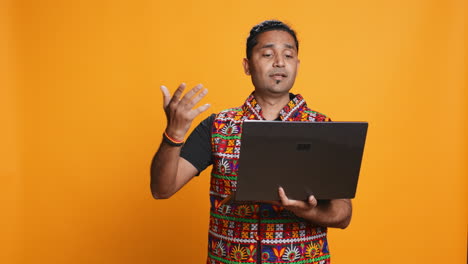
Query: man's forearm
{"x": 164, "y": 171}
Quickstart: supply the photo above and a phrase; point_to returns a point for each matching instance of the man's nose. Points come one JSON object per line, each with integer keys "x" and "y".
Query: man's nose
{"x": 279, "y": 61}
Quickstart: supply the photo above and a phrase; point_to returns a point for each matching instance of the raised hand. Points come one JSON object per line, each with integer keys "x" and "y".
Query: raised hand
{"x": 179, "y": 109}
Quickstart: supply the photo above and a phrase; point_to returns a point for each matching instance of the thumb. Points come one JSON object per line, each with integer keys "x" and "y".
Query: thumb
{"x": 166, "y": 95}
{"x": 312, "y": 201}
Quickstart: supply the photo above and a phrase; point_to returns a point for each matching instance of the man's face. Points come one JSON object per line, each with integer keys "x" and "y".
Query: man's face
{"x": 273, "y": 63}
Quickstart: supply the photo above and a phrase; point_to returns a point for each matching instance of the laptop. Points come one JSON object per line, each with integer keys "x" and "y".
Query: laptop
{"x": 305, "y": 158}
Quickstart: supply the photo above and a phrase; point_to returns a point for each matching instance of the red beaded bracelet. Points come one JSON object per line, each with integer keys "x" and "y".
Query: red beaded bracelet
{"x": 172, "y": 141}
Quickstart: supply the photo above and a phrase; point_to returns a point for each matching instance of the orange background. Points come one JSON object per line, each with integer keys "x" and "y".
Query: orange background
{"x": 81, "y": 118}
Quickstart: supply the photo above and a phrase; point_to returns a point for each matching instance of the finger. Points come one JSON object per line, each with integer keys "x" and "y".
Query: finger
{"x": 197, "y": 98}
{"x": 283, "y": 198}
{"x": 312, "y": 201}
{"x": 200, "y": 110}
{"x": 178, "y": 93}
{"x": 166, "y": 95}
{"x": 192, "y": 92}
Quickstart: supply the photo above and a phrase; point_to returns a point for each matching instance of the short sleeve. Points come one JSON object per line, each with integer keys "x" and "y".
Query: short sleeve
{"x": 197, "y": 147}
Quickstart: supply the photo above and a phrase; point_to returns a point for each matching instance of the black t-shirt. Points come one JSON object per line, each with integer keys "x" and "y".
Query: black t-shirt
{"x": 197, "y": 148}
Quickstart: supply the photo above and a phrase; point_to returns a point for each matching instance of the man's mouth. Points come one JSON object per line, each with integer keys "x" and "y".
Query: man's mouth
{"x": 278, "y": 76}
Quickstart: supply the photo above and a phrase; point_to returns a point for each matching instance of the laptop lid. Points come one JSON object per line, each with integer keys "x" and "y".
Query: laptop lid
{"x": 305, "y": 158}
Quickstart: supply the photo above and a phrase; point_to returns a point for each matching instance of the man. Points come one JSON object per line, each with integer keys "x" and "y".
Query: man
{"x": 285, "y": 231}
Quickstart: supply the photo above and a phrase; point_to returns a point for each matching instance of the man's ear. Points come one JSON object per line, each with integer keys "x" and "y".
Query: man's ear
{"x": 245, "y": 63}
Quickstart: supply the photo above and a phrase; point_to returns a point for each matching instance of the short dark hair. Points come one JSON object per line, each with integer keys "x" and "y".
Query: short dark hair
{"x": 267, "y": 25}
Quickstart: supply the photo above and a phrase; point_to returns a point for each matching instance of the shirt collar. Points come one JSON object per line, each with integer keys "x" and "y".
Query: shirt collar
{"x": 290, "y": 111}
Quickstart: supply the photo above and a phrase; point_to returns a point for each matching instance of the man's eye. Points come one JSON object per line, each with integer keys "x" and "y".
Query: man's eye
{"x": 266, "y": 55}
{"x": 289, "y": 56}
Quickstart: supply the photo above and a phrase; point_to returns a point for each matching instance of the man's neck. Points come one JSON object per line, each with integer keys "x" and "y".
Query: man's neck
{"x": 272, "y": 105}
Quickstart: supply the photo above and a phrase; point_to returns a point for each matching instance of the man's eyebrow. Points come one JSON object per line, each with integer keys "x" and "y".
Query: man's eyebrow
{"x": 289, "y": 46}
{"x": 271, "y": 45}
{"x": 268, "y": 46}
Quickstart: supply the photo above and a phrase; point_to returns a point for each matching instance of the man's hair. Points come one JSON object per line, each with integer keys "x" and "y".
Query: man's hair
{"x": 267, "y": 25}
